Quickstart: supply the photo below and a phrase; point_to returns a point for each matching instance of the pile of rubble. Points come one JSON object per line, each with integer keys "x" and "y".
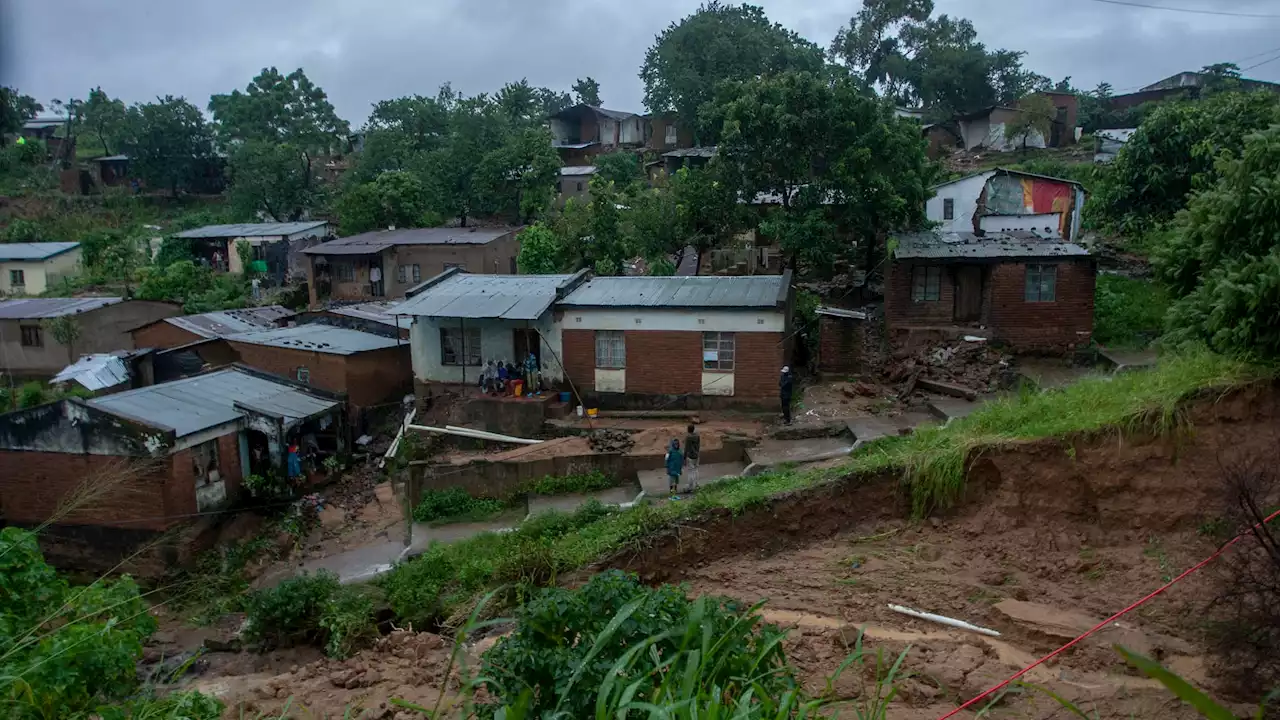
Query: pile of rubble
{"x": 611, "y": 441}
{"x": 960, "y": 368}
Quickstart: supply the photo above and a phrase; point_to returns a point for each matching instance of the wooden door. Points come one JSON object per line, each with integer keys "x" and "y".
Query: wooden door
{"x": 968, "y": 293}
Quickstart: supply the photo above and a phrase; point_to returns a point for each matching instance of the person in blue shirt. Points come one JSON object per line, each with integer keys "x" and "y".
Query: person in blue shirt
{"x": 503, "y": 376}
{"x": 675, "y": 463}
{"x": 531, "y": 375}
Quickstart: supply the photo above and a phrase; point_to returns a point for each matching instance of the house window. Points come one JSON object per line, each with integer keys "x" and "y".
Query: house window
{"x": 17, "y": 277}
{"x": 345, "y": 271}
{"x": 926, "y": 284}
{"x": 204, "y": 463}
{"x": 416, "y": 272}
{"x": 671, "y": 135}
{"x": 32, "y": 336}
{"x": 611, "y": 349}
{"x": 407, "y": 273}
{"x": 579, "y": 187}
{"x": 458, "y": 347}
{"x": 717, "y": 351}
{"x": 948, "y": 209}
{"x": 1042, "y": 283}
{"x": 304, "y": 375}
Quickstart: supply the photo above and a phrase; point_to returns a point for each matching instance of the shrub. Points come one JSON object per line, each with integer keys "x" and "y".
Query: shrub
{"x": 290, "y": 612}
{"x": 453, "y": 505}
{"x": 1128, "y": 312}
{"x": 347, "y": 620}
{"x": 570, "y": 484}
{"x": 569, "y": 642}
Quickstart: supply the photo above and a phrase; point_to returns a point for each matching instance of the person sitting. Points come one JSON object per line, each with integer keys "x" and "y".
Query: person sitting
{"x": 502, "y": 377}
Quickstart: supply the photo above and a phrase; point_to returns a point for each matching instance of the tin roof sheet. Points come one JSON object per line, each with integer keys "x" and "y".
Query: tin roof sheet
{"x": 372, "y": 243}
{"x": 34, "y": 251}
{"x": 234, "y": 230}
{"x": 200, "y": 402}
{"x": 229, "y": 322}
{"x": 958, "y": 246}
{"x": 507, "y": 297}
{"x": 379, "y": 311}
{"x": 574, "y": 170}
{"x": 31, "y": 308}
{"x": 756, "y": 291}
{"x": 95, "y": 372}
{"x": 317, "y": 337}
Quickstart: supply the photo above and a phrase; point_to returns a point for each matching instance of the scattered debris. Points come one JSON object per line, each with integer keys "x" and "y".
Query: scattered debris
{"x": 962, "y": 369}
{"x": 611, "y": 441}
{"x": 860, "y": 389}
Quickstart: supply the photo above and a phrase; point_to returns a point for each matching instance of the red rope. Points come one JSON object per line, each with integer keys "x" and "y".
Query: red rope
{"x": 1104, "y": 623}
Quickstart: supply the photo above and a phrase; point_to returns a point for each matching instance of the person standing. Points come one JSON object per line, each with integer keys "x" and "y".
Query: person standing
{"x": 531, "y": 374}
{"x": 375, "y": 280}
{"x": 692, "y": 448}
{"x": 675, "y": 462}
{"x": 785, "y": 386}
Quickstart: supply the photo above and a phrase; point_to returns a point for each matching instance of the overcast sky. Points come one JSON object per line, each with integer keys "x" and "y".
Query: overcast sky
{"x": 361, "y": 51}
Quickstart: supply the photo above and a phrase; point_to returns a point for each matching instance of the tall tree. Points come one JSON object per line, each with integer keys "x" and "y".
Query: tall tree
{"x": 15, "y": 110}
{"x": 708, "y": 210}
{"x": 587, "y": 91}
{"x": 519, "y": 176}
{"x": 395, "y": 199}
{"x": 718, "y": 43}
{"x": 168, "y": 142}
{"x": 266, "y": 180}
{"x": 103, "y": 118}
{"x": 1035, "y": 117}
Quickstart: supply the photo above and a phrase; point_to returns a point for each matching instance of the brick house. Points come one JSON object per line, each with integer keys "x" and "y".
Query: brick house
{"x": 651, "y": 338}
{"x": 370, "y": 370}
{"x": 172, "y": 332}
{"x": 581, "y": 132}
{"x": 841, "y": 335}
{"x": 150, "y": 460}
{"x": 985, "y": 128}
{"x": 384, "y": 264}
{"x": 1027, "y": 291}
{"x": 28, "y": 344}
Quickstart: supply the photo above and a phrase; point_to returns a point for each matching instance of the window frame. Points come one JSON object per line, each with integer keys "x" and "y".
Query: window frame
{"x": 921, "y": 277}
{"x": 17, "y": 276}
{"x": 208, "y": 450}
{"x": 1035, "y": 277}
{"x": 470, "y": 351}
{"x": 345, "y": 272}
{"x": 615, "y": 355}
{"x": 720, "y": 342}
{"x": 671, "y": 135}
{"x": 29, "y": 332}
{"x": 303, "y": 374}
{"x": 948, "y": 208}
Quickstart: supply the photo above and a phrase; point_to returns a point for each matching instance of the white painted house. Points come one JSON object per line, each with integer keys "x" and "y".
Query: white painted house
{"x": 1001, "y": 200}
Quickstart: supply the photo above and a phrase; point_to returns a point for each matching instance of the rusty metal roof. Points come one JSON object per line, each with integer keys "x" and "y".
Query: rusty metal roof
{"x": 379, "y": 311}
{"x": 756, "y": 291}
{"x": 1011, "y": 244}
{"x": 234, "y": 230}
{"x": 230, "y": 322}
{"x": 317, "y": 337}
{"x": 372, "y": 243}
{"x": 31, "y": 308}
{"x": 506, "y": 297}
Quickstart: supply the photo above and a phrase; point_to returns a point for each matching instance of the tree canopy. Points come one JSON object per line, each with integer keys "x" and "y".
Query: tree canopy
{"x": 103, "y": 119}
{"x": 168, "y": 142}
{"x": 16, "y": 109}
{"x": 586, "y": 90}
{"x": 720, "y": 42}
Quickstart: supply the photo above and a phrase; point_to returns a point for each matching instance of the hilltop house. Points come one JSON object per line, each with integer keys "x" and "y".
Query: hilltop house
{"x": 172, "y": 332}
{"x": 1002, "y": 199}
{"x": 30, "y": 349}
{"x": 985, "y": 128}
{"x": 32, "y": 268}
{"x": 583, "y": 131}
{"x": 274, "y": 247}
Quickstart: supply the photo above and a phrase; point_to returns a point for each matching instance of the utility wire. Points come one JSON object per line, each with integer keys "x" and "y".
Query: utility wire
{"x": 1264, "y": 62}
{"x": 1223, "y": 13}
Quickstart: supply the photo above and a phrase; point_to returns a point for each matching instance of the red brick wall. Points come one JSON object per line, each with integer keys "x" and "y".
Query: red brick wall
{"x": 163, "y": 335}
{"x": 578, "y": 352}
{"x": 328, "y": 371}
{"x": 839, "y": 344}
{"x": 33, "y": 485}
{"x": 899, "y": 308}
{"x": 758, "y": 364}
{"x": 1057, "y": 325}
{"x": 379, "y": 376}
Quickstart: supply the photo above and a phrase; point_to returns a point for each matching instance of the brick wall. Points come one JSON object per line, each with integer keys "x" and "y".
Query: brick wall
{"x": 839, "y": 344}
{"x": 1053, "y": 325}
{"x": 35, "y": 484}
{"x": 899, "y": 308}
{"x": 163, "y": 335}
{"x": 661, "y": 362}
{"x": 379, "y": 376}
{"x": 328, "y": 371}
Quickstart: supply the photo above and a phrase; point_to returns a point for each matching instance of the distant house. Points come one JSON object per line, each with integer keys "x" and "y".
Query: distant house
{"x": 575, "y": 183}
{"x": 583, "y": 131}
{"x": 1003, "y": 199}
{"x": 275, "y": 248}
{"x": 692, "y": 157}
{"x": 1176, "y": 87}
{"x": 155, "y": 458}
{"x": 182, "y": 330}
{"x": 664, "y": 133}
{"x": 942, "y": 139}
{"x": 32, "y": 268}
{"x": 1109, "y": 142}
{"x": 985, "y": 128}
{"x": 113, "y": 170}
{"x": 28, "y": 346}
{"x": 386, "y": 263}
{"x": 1031, "y": 292}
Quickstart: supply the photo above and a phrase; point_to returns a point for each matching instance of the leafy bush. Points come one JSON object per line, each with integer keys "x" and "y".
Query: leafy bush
{"x": 568, "y": 642}
{"x": 454, "y": 505}
{"x": 191, "y": 705}
{"x": 290, "y": 612}
{"x": 1128, "y": 312}
{"x": 347, "y": 620}
{"x": 218, "y": 583}
{"x": 570, "y": 484}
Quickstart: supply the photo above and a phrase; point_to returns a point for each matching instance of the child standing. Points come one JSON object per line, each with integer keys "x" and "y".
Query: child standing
{"x": 692, "y": 448}
{"x": 675, "y": 461}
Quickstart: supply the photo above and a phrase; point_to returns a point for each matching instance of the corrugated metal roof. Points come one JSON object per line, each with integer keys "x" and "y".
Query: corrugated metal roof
{"x": 229, "y": 322}
{"x": 702, "y": 152}
{"x": 95, "y": 372}
{"x": 41, "y": 123}
{"x": 32, "y": 308}
{"x": 842, "y": 313}
{"x": 251, "y": 229}
{"x": 371, "y": 243}
{"x": 198, "y": 403}
{"x": 508, "y": 297}
{"x": 574, "y": 170}
{"x": 572, "y": 146}
{"x": 756, "y": 291}
{"x": 1006, "y": 171}
{"x": 967, "y": 245}
{"x": 34, "y": 251}
{"x": 111, "y": 158}
{"x": 317, "y": 337}
{"x": 378, "y": 311}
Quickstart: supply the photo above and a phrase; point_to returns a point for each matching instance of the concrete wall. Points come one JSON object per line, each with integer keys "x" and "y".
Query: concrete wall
{"x": 103, "y": 330}
{"x": 964, "y": 194}
{"x": 497, "y": 342}
{"x": 1044, "y": 223}
{"x": 574, "y": 187}
{"x": 988, "y": 132}
{"x": 39, "y": 275}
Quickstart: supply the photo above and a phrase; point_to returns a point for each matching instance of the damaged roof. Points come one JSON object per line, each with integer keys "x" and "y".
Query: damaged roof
{"x": 506, "y": 297}
{"x": 755, "y": 291}
{"x": 201, "y": 402}
{"x": 234, "y": 230}
{"x": 229, "y": 322}
{"x": 95, "y": 372}
{"x": 1008, "y": 171}
{"x": 379, "y": 311}
{"x": 317, "y": 337}
{"x": 31, "y": 308}
{"x": 578, "y": 170}
{"x": 372, "y": 243}
{"x": 701, "y": 152}
{"x": 1011, "y": 244}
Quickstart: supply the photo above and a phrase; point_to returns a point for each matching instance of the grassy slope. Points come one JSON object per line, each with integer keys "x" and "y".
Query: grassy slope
{"x": 931, "y": 462}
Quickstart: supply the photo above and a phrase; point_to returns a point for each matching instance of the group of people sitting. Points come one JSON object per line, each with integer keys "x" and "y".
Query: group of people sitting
{"x": 499, "y": 377}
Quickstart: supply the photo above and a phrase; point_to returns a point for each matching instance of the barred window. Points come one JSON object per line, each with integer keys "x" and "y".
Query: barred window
{"x": 717, "y": 351}
{"x": 1042, "y": 283}
{"x": 926, "y": 284}
{"x": 458, "y": 347}
{"x": 611, "y": 349}
{"x": 344, "y": 271}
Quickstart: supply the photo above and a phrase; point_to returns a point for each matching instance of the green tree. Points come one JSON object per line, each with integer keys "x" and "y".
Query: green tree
{"x": 1172, "y": 154}
{"x": 587, "y": 91}
{"x": 15, "y": 110}
{"x": 103, "y": 118}
{"x": 708, "y": 210}
{"x": 396, "y": 198}
{"x": 541, "y": 252}
{"x": 168, "y": 143}
{"x": 269, "y": 178}
{"x": 1035, "y": 116}
{"x": 65, "y": 330}
{"x": 519, "y": 177}
{"x": 619, "y": 168}
{"x": 717, "y": 43}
